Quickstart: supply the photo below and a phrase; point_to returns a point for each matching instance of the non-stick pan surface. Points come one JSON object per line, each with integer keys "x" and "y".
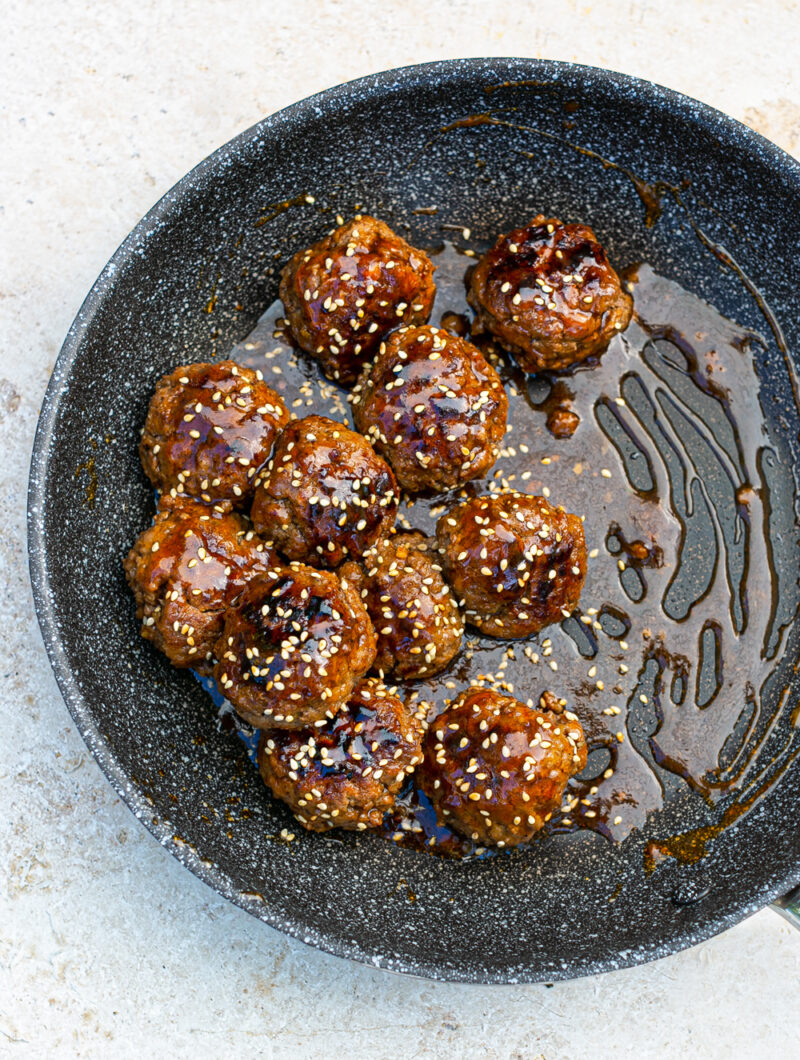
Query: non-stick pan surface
{"x": 577, "y": 904}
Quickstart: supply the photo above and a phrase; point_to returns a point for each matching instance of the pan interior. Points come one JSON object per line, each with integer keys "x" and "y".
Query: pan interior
{"x": 700, "y": 451}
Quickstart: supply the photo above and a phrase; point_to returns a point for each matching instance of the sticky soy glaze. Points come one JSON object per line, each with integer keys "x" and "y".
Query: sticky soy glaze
{"x": 672, "y": 661}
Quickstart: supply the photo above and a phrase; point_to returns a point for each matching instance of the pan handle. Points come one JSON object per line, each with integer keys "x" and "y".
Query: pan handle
{"x": 789, "y": 907}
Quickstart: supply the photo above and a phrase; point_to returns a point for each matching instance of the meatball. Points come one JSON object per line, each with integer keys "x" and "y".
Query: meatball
{"x": 325, "y": 494}
{"x": 434, "y": 406}
{"x": 515, "y": 563}
{"x": 347, "y": 772}
{"x": 293, "y": 648}
{"x": 416, "y": 619}
{"x": 496, "y": 769}
{"x": 209, "y": 428}
{"x": 344, "y": 294}
{"x": 549, "y": 295}
{"x": 186, "y": 570}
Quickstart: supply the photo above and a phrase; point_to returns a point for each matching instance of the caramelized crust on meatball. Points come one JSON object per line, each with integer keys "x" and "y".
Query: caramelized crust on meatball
{"x": 344, "y": 294}
{"x": 185, "y": 570}
{"x": 209, "y": 428}
{"x": 293, "y": 648}
{"x": 496, "y": 769}
{"x": 515, "y": 563}
{"x": 347, "y": 772}
{"x": 435, "y": 408}
{"x": 548, "y": 293}
{"x": 325, "y": 494}
{"x": 416, "y": 619}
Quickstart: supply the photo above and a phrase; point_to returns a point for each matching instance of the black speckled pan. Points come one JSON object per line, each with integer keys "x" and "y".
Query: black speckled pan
{"x": 576, "y": 905}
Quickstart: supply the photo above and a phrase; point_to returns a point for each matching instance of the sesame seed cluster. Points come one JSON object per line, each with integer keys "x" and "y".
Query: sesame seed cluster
{"x": 417, "y": 621}
{"x": 549, "y": 294}
{"x": 349, "y": 772}
{"x": 209, "y": 428}
{"x": 515, "y": 562}
{"x": 496, "y": 769}
{"x": 433, "y": 406}
{"x": 345, "y": 293}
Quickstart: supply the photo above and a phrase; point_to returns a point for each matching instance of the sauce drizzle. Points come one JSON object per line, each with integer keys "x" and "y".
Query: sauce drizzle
{"x": 673, "y": 661}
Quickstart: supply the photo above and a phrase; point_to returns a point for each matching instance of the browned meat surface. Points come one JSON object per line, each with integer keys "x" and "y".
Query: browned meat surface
{"x": 293, "y": 648}
{"x": 343, "y": 295}
{"x": 496, "y": 769}
{"x": 548, "y": 293}
{"x": 416, "y": 619}
{"x": 185, "y": 570}
{"x": 514, "y": 562}
{"x": 209, "y": 429}
{"x": 347, "y": 772}
{"x": 435, "y": 408}
{"x": 325, "y": 495}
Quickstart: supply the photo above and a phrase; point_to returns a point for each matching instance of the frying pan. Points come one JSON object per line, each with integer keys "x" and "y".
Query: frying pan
{"x": 577, "y": 904}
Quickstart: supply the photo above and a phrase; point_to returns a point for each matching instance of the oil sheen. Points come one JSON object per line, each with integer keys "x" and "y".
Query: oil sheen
{"x": 673, "y": 659}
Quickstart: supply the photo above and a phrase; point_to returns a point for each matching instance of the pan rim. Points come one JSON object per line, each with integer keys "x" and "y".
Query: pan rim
{"x": 386, "y": 82}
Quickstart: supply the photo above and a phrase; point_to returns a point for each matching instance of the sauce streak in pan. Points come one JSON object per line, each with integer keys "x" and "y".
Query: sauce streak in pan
{"x": 672, "y": 661}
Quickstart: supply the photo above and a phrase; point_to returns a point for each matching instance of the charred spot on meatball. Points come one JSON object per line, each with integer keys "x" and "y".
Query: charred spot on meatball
{"x": 549, "y": 295}
{"x": 208, "y": 430}
{"x": 416, "y": 619}
{"x": 496, "y": 769}
{"x": 293, "y": 648}
{"x": 325, "y": 494}
{"x": 435, "y": 408}
{"x": 514, "y": 562}
{"x": 343, "y": 295}
{"x": 347, "y": 772}
{"x": 185, "y": 571}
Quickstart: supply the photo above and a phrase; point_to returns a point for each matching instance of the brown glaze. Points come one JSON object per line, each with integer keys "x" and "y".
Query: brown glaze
{"x": 293, "y": 648}
{"x": 435, "y": 408}
{"x": 325, "y": 494}
{"x": 635, "y": 554}
{"x": 628, "y": 661}
{"x": 496, "y": 769}
{"x": 562, "y": 419}
{"x": 692, "y": 846}
{"x": 456, "y": 323}
{"x": 548, "y": 293}
{"x": 416, "y": 619}
{"x": 562, "y": 422}
{"x": 343, "y": 295}
{"x": 347, "y": 772}
{"x": 209, "y": 429}
{"x": 516, "y": 564}
{"x": 185, "y": 570}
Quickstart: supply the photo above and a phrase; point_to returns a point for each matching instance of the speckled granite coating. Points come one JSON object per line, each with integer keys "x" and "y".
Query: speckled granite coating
{"x": 507, "y": 920}
{"x": 455, "y": 1022}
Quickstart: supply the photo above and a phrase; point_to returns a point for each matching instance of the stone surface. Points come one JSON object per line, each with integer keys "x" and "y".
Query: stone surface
{"x": 108, "y": 946}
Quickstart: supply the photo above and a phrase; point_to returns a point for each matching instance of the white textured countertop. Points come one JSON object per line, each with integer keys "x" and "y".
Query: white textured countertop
{"x": 107, "y": 946}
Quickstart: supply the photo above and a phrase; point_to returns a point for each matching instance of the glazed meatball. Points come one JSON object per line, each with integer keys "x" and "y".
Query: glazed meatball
{"x": 417, "y": 621}
{"x": 344, "y": 294}
{"x": 325, "y": 494}
{"x": 293, "y": 648}
{"x": 496, "y": 769}
{"x": 549, "y": 295}
{"x": 435, "y": 408}
{"x": 209, "y": 429}
{"x": 185, "y": 570}
{"x": 347, "y": 772}
{"x": 515, "y": 563}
